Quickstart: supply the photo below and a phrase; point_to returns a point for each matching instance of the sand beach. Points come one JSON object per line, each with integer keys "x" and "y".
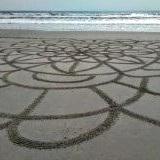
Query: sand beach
{"x": 79, "y": 95}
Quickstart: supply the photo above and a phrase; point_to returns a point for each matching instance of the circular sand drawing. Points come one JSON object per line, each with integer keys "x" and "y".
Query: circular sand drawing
{"x": 68, "y": 64}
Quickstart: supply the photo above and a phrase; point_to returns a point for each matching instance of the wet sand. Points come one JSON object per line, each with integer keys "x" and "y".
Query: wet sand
{"x": 79, "y": 95}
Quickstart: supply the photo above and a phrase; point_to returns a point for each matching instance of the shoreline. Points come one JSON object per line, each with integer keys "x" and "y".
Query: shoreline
{"x": 11, "y": 33}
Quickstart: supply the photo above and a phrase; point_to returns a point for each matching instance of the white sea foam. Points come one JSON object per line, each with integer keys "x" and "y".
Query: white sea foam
{"x": 64, "y": 21}
{"x": 85, "y": 20}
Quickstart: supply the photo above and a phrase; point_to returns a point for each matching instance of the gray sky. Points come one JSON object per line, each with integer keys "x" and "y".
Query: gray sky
{"x": 80, "y": 5}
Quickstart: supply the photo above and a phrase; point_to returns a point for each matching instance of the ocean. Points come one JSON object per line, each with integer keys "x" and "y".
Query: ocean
{"x": 140, "y": 21}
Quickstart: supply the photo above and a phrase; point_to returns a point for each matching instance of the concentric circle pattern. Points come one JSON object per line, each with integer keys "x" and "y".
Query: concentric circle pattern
{"x": 69, "y": 65}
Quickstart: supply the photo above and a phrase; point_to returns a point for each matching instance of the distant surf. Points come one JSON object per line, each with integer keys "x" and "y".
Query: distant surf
{"x": 81, "y": 21}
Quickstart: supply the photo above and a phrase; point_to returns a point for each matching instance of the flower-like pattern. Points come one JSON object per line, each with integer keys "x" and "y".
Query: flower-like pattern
{"x": 70, "y": 65}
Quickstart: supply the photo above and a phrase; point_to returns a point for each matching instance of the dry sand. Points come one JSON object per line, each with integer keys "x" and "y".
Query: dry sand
{"x": 79, "y": 95}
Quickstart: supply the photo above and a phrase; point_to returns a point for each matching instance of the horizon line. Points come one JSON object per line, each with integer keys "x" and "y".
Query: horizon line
{"x": 132, "y": 10}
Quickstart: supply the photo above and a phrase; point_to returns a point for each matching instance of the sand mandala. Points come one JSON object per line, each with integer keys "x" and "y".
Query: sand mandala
{"x": 47, "y": 65}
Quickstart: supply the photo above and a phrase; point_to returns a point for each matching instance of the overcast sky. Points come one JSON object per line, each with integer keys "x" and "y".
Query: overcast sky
{"x": 80, "y": 5}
